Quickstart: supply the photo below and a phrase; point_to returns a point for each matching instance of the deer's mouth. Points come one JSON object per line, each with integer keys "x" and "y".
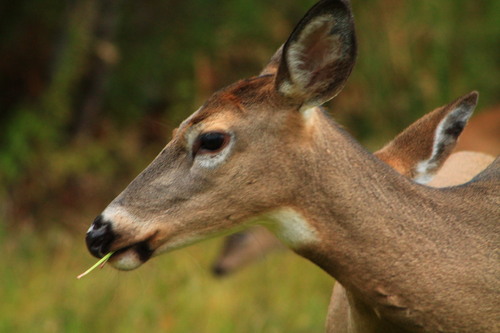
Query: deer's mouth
{"x": 132, "y": 256}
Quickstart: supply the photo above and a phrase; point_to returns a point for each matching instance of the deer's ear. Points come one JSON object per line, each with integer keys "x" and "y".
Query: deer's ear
{"x": 319, "y": 55}
{"x": 421, "y": 149}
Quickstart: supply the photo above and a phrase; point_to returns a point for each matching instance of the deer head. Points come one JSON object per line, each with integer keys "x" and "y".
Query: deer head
{"x": 244, "y": 154}
{"x": 208, "y": 180}
{"x": 262, "y": 150}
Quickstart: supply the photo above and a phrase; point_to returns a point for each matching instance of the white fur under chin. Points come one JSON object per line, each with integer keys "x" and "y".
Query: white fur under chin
{"x": 126, "y": 261}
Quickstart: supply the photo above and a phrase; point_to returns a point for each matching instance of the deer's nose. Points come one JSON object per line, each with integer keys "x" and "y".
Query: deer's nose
{"x": 99, "y": 237}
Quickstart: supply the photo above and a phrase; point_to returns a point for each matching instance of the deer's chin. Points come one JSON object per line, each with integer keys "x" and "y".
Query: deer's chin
{"x": 131, "y": 257}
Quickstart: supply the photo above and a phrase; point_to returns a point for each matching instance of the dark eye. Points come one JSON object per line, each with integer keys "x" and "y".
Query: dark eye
{"x": 210, "y": 142}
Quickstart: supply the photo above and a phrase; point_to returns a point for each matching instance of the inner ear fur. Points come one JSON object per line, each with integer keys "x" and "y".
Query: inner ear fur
{"x": 319, "y": 55}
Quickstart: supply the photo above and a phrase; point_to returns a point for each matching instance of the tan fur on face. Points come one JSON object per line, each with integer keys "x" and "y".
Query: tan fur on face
{"x": 248, "y": 99}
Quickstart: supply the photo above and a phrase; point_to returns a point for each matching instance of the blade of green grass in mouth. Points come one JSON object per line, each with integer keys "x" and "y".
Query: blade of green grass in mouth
{"x": 100, "y": 263}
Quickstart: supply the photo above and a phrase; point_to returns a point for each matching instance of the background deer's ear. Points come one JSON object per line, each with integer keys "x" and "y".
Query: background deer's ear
{"x": 421, "y": 149}
{"x": 319, "y": 55}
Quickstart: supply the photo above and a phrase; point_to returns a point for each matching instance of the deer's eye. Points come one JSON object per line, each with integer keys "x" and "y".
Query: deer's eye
{"x": 210, "y": 142}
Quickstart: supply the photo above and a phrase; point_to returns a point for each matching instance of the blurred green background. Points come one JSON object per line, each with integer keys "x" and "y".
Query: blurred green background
{"x": 89, "y": 93}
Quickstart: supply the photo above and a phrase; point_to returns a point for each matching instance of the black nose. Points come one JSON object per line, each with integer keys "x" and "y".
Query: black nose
{"x": 99, "y": 237}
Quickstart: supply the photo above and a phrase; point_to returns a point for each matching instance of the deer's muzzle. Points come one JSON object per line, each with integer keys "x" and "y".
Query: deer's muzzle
{"x": 101, "y": 239}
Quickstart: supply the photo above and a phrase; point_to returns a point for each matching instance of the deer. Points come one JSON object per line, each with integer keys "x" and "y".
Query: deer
{"x": 459, "y": 168}
{"x": 243, "y": 248}
{"x": 410, "y": 258}
{"x": 471, "y": 154}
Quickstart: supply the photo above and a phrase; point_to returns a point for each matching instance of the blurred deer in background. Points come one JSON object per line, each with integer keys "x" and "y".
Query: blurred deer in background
{"x": 411, "y": 258}
{"x": 482, "y": 133}
{"x": 461, "y": 167}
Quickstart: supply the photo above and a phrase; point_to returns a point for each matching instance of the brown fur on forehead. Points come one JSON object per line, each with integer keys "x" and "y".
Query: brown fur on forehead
{"x": 240, "y": 96}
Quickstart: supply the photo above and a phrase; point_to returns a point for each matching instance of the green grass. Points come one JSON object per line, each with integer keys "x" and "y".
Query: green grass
{"x": 171, "y": 293}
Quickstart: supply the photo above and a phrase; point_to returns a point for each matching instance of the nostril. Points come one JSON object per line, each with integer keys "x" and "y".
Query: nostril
{"x": 97, "y": 224}
{"x": 99, "y": 237}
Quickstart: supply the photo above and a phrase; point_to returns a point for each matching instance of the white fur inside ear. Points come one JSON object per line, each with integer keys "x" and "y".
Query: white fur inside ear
{"x": 315, "y": 48}
{"x": 446, "y": 134}
{"x": 423, "y": 170}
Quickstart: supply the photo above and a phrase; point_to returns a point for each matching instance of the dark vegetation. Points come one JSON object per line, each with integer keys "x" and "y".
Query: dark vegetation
{"x": 90, "y": 90}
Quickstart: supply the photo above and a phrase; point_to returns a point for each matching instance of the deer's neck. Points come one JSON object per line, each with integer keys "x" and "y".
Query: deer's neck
{"x": 381, "y": 235}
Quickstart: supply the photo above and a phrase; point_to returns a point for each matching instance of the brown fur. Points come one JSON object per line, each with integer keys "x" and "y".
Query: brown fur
{"x": 404, "y": 153}
{"x": 411, "y": 258}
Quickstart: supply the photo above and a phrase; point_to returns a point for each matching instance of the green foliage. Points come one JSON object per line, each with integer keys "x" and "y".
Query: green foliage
{"x": 414, "y": 56}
